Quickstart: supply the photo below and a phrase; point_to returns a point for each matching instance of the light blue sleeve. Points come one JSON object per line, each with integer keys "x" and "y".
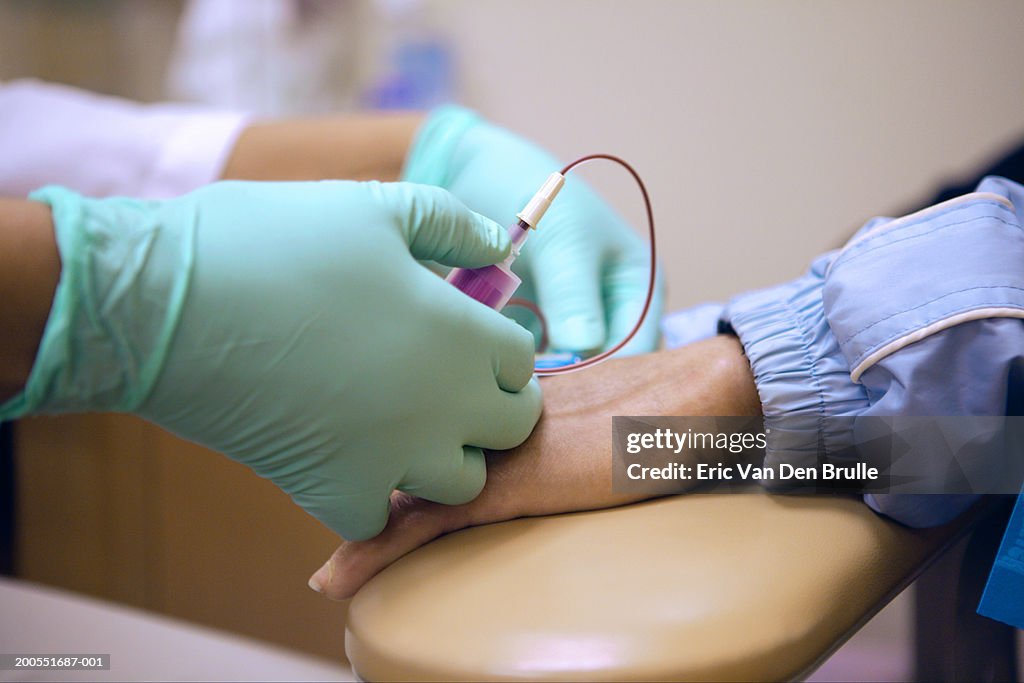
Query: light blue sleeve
{"x": 943, "y": 333}
{"x": 689, "y": 325}
{"x": 919, "y": 315}
{"x": 801, "y": 375}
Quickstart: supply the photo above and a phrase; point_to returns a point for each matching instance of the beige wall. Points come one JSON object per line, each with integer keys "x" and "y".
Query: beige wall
{"x": 118, "y": 47}
{"x": 766, "y": 130}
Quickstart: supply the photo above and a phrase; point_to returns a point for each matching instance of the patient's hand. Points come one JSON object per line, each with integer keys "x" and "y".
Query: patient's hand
{"x": 566, "y": 464}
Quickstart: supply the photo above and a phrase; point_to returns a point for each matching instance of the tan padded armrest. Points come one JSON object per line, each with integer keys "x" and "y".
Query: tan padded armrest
{"x": 698, "y": 587}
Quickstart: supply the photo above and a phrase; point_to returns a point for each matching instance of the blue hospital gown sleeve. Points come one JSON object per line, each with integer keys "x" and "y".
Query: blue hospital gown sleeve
{"x": 916, "y": 316}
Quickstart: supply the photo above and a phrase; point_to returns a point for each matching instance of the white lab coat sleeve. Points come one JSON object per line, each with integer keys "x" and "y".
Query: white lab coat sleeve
{"x": 103, "y": 146}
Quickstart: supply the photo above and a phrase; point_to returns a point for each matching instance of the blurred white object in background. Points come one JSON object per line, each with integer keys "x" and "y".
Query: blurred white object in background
{"x": 141, "y": 646}
{"x": 269, "y": 57}
{"x": 286, "y": 57}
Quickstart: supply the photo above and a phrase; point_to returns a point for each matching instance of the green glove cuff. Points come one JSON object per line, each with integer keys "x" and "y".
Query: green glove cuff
{"x": 429, "y": 158}
{"x": 124, "y": 276}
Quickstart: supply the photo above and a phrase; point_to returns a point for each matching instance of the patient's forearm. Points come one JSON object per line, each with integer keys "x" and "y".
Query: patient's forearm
{"x": 566, "y": 464}
{"x": 371, "y": 147}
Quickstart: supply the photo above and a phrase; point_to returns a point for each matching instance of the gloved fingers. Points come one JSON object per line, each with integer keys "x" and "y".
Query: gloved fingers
{"x": 436, "y": 268}
{"x": 525, "y": 317}
{"x": 438, "y": 227}
{"x": 507, "y": 420}
{"x": 354, "y": 516}
{"x": 625, "y": 290}
{"x": 568, "y": 285}
{"x": 513, "y": 352}
{"x": 528, "y": 321}
{"x": 452, "y": 478}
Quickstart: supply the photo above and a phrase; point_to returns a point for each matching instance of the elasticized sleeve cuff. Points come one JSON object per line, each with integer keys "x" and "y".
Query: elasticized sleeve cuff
{"x": 801, "y": 375}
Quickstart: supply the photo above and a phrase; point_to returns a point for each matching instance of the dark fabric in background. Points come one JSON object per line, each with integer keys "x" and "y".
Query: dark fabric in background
{"x": 1010, "y": 166}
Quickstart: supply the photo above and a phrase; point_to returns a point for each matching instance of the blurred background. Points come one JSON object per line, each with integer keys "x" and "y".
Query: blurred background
{"x": 767, "y": 132}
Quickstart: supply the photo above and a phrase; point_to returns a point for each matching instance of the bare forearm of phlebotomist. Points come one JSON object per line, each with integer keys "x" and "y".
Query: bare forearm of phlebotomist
{"x": 29, "y": 271}
{"x": 358, "y": 147}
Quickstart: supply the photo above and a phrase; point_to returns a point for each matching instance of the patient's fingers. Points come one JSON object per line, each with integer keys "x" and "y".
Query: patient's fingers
{"x": 413, "y": 522}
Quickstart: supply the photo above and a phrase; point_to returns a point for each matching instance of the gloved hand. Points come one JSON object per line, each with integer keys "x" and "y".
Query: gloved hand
{"x": 289, "y": 326}
{"x": 584, "y": 266}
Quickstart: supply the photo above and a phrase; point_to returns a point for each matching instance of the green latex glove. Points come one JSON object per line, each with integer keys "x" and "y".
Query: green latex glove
{"x": 289, "y": 326}
{"x": 584, "y": 266}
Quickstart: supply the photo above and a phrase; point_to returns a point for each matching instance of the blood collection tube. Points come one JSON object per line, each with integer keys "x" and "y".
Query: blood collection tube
{"x": 494, "y": 285}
